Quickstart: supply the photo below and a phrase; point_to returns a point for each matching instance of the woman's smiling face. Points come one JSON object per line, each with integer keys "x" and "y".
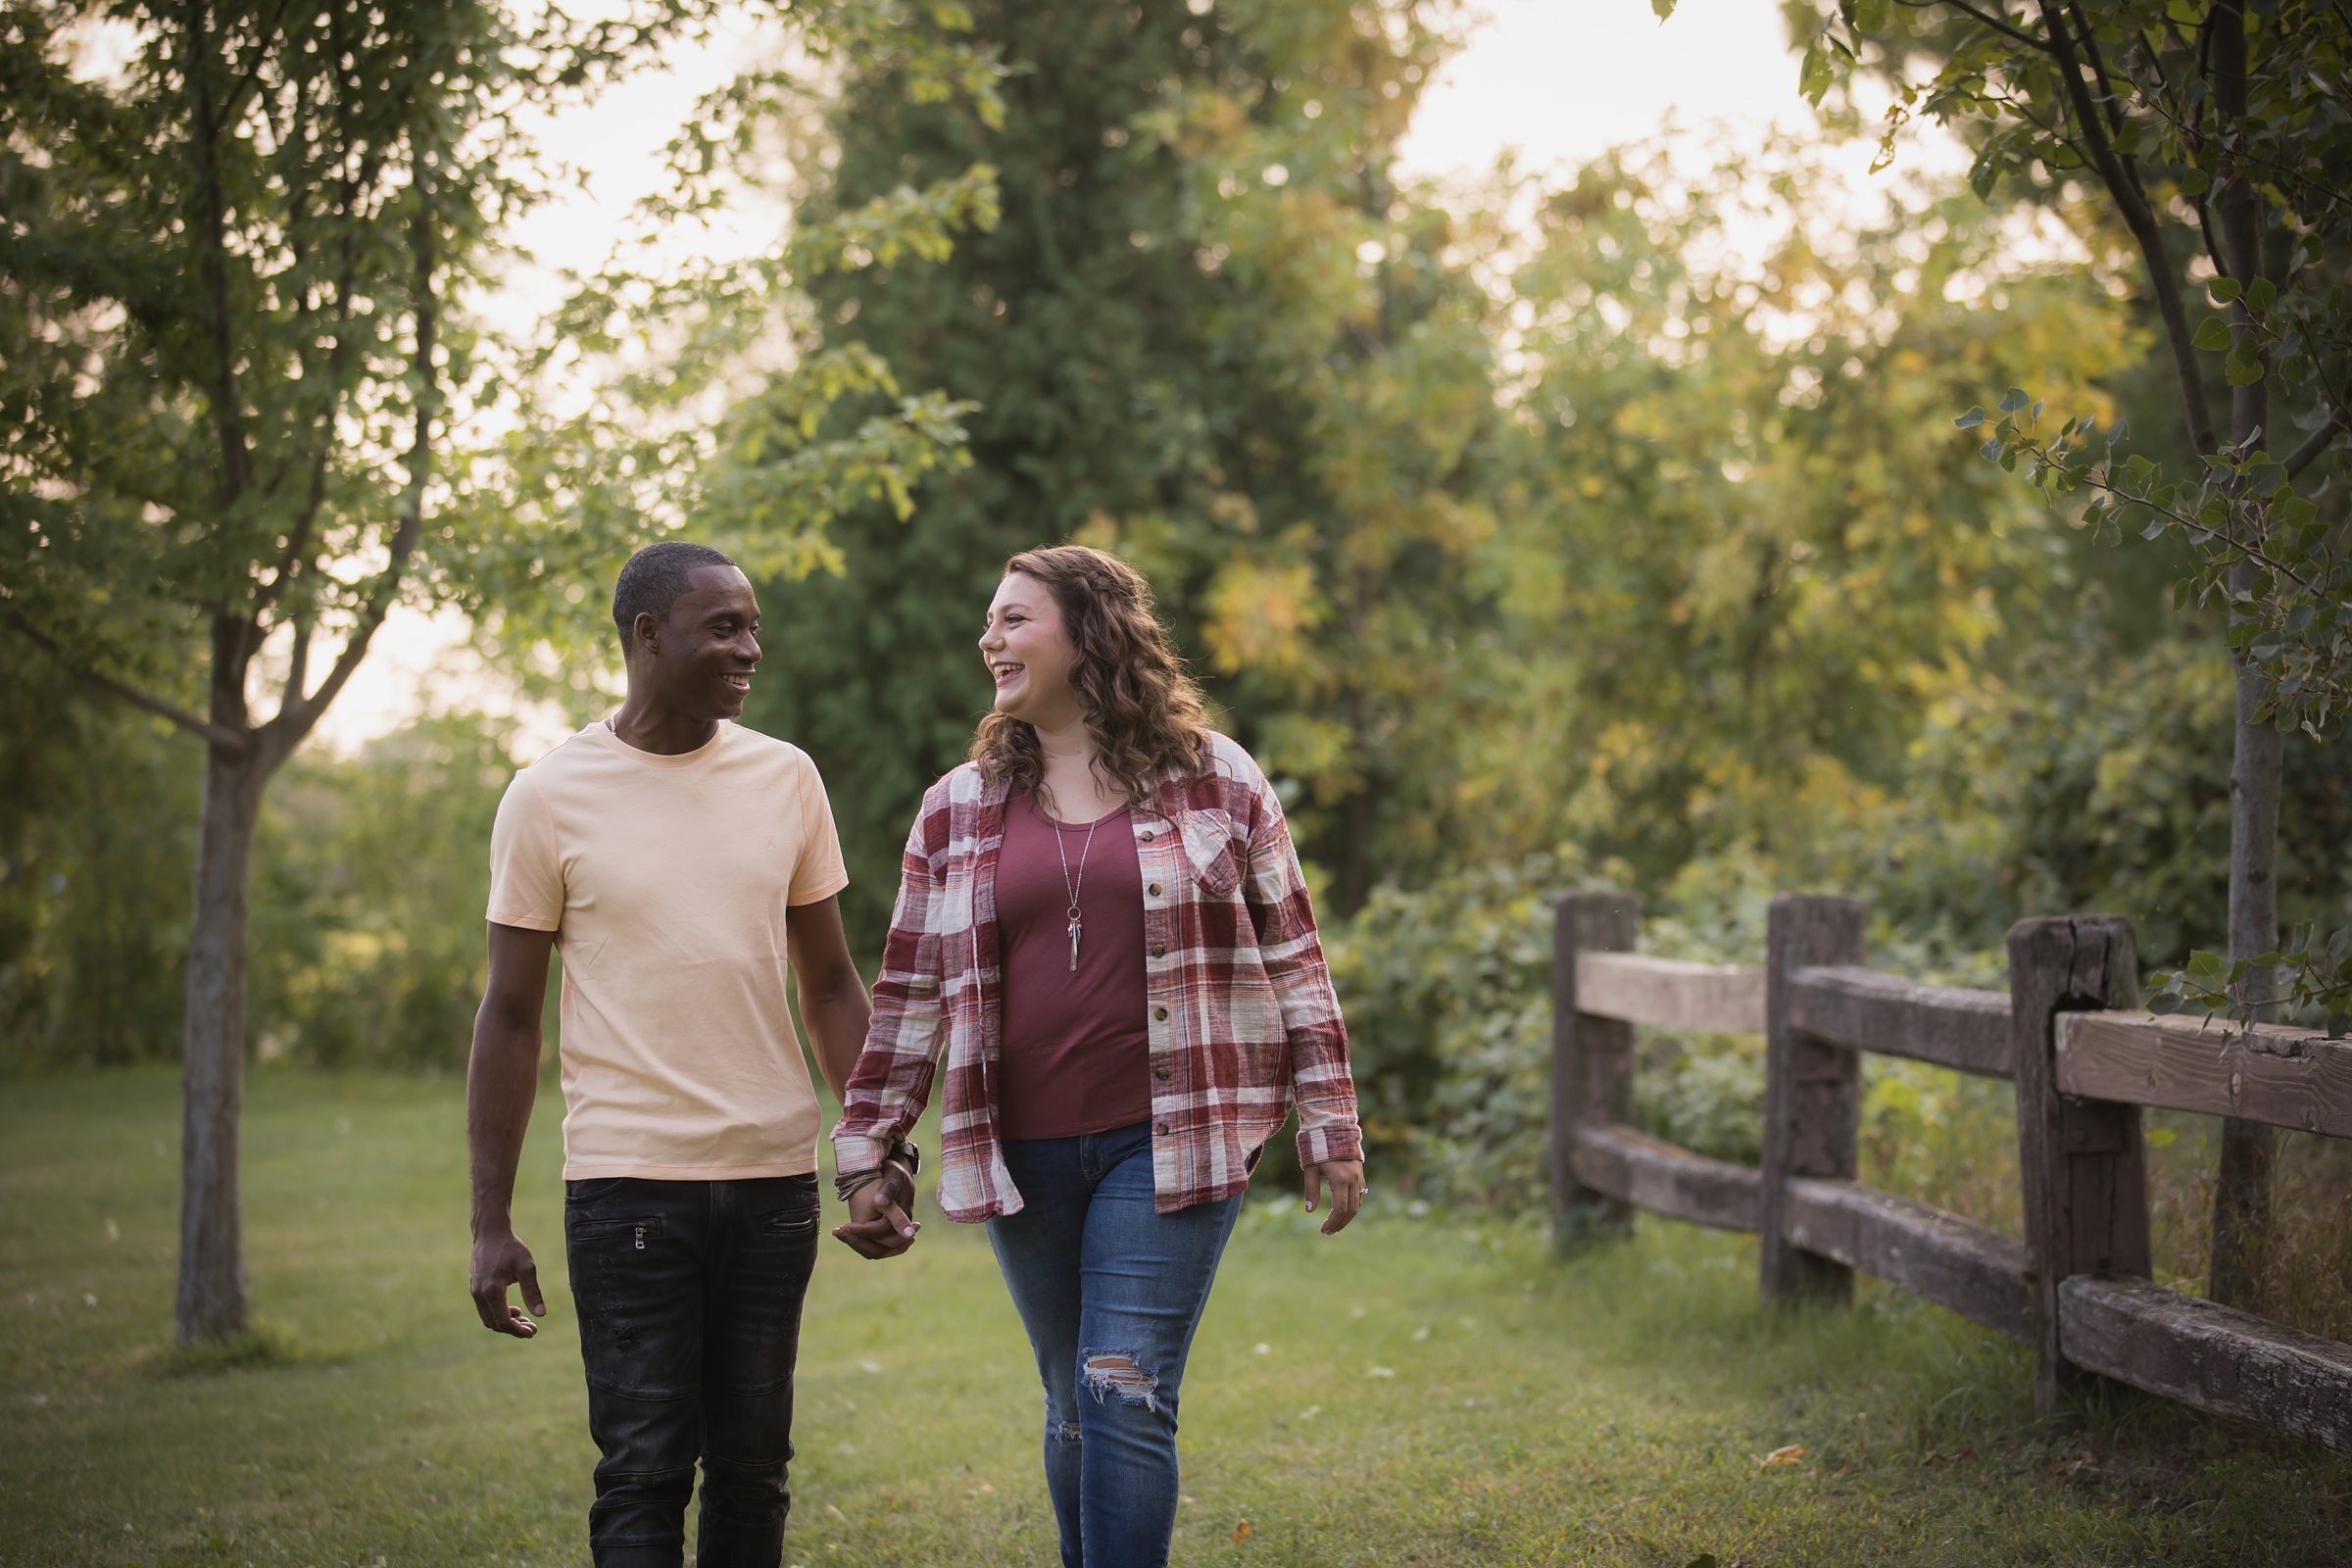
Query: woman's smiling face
{"x": 1029, "y": 653}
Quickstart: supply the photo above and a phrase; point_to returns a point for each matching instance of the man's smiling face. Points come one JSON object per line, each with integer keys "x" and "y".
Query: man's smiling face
{"x": 701, "y": 658}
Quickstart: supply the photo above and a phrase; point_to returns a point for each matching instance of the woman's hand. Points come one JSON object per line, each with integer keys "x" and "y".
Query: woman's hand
{"x": 1347, "y": 1180}
{"x": 878, "y": 1226}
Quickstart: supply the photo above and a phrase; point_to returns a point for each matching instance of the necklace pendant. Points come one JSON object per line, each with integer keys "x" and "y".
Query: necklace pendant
{"x": 1077, "y": 923}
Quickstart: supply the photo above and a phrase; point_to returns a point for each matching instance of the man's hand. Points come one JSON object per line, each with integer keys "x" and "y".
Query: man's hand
{"x": 878, "y": 1226}
{"x": 1347, "y": 1180}
{"x": 500, "y": 1260}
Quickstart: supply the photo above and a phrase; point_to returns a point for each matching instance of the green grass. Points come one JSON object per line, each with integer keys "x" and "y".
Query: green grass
{"x": 1424, "y": 1390}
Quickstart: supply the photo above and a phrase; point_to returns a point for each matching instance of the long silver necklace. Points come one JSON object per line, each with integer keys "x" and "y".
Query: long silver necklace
{"x": 1075, "y": 916}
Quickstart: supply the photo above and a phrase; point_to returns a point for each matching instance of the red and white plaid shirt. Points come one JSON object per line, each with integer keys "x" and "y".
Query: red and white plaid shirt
{"x": 1242, "y": 1018}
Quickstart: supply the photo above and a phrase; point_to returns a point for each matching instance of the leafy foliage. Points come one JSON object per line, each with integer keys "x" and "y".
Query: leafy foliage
{"x": 2218, "y": 135}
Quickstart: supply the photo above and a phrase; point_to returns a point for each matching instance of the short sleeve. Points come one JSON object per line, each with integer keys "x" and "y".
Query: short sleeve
{"x": 819, "y": 873}
{"x": 527, "y": 869}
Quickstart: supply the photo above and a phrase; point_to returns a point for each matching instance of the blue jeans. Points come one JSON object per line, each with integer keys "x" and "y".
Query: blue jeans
{"x": 689, "y": 1297}
{"x": 1110, "y": 1293}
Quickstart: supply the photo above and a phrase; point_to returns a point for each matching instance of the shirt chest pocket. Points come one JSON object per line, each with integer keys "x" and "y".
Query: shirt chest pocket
{"x": 1214, "y": 849}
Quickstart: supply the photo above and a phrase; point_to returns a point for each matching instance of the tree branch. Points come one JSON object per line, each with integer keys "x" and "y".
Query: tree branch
{"x": 296, "y": 714}
{"x": 2141, "y": 222}
{"x": 1997, "y": 23}
{"x": 122, "y": 691}
{"x": 2304, "y": 456}
{"x": 228, "y": 419}
{"x": 298, "y": 536}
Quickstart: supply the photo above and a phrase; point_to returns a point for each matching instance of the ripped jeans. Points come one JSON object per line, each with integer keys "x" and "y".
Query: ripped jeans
{"x": 1110, "y": 1293}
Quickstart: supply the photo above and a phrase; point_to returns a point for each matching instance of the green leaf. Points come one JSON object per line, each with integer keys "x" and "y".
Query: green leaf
{"x": 1990, "y": 451}
{"x": 1814, "y": 75}
{"x": 2242, "y": 369}
{"x": 1971, "y": 419}
{"x": 2223, "y": 290}
{"x": 2206, "y": 965}
{"x": 2195, "y": 182}
{"x": 2015, "y": 399}
{"x": 2261, "y": 295}
{"x": 2213, "y": 334}
{"x": 1663, "y": 8}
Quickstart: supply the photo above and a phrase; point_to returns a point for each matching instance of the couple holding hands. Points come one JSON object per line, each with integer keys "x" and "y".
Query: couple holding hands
{"x": 1102, "y": 924}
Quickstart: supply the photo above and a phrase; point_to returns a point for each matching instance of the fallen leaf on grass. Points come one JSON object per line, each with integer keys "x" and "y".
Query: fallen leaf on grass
{"x": 1938, "y": 1456}
{"x": 1793, "y": 1454}
{"x": 983, "y": 1489}
{"x": 1241, "y": 1532}
{"x": 1380, "y": 1372}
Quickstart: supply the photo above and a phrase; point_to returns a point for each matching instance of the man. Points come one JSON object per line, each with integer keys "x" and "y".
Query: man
{"x": 680, "y": 862}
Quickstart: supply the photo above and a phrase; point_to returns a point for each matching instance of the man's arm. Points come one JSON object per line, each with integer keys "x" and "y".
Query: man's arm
{"x": 833, "y": 1002}
{"x": 501, "y": 1080}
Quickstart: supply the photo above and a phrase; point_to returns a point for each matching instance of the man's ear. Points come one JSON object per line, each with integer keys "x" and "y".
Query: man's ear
{"x": 646, "y": 632}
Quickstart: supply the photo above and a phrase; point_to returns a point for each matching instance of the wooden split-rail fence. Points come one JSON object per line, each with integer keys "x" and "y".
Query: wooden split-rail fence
{"x": 2084, "y": 1060}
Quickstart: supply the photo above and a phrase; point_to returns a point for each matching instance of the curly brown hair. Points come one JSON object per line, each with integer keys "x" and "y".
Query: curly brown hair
{"x": 1143, "y": 709}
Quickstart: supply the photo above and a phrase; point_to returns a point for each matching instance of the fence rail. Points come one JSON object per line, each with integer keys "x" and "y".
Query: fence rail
{"x": 1866, "y": 1011}
{"x": 2287, "y": 1077}
{"x": 2068, "y": 1032}
{"x": 1671, "y": 993}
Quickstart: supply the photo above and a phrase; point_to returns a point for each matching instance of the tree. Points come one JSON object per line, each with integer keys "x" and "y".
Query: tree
{"x": 2214, "y": 136}
{"x": 1180, "y": 347}
{"x": 234, "y": 358}
{"x": 1745, "y": 569}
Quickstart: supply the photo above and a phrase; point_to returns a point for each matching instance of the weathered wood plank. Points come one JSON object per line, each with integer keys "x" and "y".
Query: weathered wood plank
{"x": 1978, "y": 1273}
{"x": 1863, "y": 1010}
{"x": 1592, "y": 1059}
{"x": 2294, "y": 1078}
{"x": 1812, "y": 1091}
{"x": 1666, "y": 1179}
{"x": 2215, "y": 1358}
{"x": 1671, "y": 993}
{"x": 2081, "y": 1162}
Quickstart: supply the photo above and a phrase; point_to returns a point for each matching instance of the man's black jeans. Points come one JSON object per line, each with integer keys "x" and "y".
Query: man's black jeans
{"x": 689, "y": 1299}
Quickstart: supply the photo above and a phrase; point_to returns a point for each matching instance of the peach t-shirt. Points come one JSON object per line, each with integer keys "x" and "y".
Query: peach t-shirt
{"x": 667, "y": 881}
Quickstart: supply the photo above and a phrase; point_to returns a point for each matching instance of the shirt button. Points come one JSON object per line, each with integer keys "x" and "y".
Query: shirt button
{"x": 1147, "y": 835}
{"x": 1155, "y": 889}
{"x": 1159, "y": 950}
{"x": 1160, "y": 1127}
{"x": 1160, "y": 1012}
{"x": 1163, "y": 1074}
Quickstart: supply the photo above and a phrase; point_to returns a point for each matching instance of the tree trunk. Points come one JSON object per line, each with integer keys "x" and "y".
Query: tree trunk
{"x": 2241, "y": 1195}
{"x": 211, "y": 1302}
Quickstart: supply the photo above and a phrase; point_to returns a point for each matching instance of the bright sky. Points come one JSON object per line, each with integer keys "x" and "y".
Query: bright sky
{"x": 1559, "y": 80}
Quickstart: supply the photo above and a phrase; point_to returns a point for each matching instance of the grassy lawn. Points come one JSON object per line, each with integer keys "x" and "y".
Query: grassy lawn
{"x": 1423, "y": 1390}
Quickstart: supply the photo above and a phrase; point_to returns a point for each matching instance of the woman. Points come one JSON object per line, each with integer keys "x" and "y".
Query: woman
{"x": 1101, "y": 914}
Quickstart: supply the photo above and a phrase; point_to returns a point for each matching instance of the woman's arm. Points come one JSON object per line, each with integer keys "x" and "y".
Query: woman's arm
{"x": 891, "y": 1081}
{"x": 1330, "y": 1145}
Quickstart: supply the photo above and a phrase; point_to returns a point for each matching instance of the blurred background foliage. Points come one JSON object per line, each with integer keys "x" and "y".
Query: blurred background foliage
{"x": 1537, "y": 533}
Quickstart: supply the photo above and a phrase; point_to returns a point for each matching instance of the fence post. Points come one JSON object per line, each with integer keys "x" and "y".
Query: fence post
{"x": 1591, "y": 1060}
{"x": 1812, "y": 1091}
{"x": 2081, "y": 1162}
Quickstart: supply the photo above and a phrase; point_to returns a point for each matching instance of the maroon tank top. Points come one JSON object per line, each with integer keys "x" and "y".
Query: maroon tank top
{"x": 1077, "y": 1048}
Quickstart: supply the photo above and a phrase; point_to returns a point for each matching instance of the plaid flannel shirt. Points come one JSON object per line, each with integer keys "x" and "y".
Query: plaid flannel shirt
{"x": 1243, "y": 1019}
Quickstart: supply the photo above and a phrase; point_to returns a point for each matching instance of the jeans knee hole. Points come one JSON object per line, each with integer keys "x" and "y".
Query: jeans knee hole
{"x": 1109, "y": 1372}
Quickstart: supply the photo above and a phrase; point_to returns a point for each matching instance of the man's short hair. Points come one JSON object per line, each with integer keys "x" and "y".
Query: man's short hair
{"x": 653, "y": 578}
